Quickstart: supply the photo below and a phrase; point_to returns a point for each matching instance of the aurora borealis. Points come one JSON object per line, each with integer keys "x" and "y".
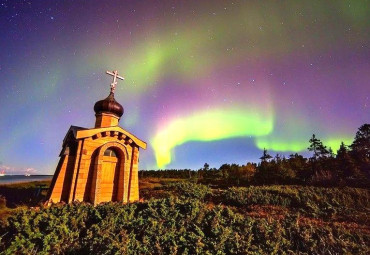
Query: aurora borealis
{"x": 205, "y": 81}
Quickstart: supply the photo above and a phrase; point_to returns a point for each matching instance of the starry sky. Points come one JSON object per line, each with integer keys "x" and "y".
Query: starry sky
{"x": 205, "y": 81}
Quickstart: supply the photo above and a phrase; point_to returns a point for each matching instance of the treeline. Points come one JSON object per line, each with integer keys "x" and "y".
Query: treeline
{"x": 350, "y": 166}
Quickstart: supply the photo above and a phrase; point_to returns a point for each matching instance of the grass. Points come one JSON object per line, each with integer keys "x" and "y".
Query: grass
{"x": 26, "y": 185}
{"x": 28, "y": 193}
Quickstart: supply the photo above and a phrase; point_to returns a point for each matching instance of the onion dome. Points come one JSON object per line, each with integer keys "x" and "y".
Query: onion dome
{"x": 109, "y": 105}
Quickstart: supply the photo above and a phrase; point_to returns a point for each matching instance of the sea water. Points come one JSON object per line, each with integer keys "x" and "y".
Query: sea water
{"x": 9, "y": 179}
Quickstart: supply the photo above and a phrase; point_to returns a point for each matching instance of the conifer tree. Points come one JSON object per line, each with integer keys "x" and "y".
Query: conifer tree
{"x": 361, "y": 149}
{"x": 265, "y": 156}
{"x": 346, "y": 166}
{"x": 317, "y": 147}
{"x": 361, "y": 144}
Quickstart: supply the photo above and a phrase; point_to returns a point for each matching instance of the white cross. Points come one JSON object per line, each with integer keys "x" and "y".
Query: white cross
{"x": 115, "y": 76}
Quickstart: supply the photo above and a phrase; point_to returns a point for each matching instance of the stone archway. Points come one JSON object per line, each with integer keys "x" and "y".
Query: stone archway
{"x": 108, "y": 181}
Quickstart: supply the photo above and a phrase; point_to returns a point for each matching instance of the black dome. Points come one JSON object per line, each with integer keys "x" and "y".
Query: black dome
{"x": 109, "y": 105}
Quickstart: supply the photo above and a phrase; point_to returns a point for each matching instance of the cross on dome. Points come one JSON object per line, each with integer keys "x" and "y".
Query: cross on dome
{"x": 114, "y": 82}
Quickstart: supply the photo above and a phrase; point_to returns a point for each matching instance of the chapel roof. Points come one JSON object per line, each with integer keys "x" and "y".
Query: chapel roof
{"x": 109, "y": 105}
{"x": 72, "y": 130}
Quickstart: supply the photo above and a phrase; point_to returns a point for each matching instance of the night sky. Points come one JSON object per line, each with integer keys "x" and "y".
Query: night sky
{"x": 205, "y": 81}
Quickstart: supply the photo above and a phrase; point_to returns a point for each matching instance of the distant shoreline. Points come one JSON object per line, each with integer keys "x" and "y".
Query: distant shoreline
{"x": 13, "y": 179}
{"x": 28, "y": 176}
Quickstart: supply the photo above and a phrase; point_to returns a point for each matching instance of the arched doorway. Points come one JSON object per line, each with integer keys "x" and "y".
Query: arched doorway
{"x": 110, "y": 175}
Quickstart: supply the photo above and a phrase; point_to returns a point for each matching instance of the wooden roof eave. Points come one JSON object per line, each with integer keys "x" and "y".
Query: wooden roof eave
{"x": 91, "y": 132}
{"x": 73, "y": 130}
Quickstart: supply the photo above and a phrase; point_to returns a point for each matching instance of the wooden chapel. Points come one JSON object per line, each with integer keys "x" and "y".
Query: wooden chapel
{"x": 98, "y": 164}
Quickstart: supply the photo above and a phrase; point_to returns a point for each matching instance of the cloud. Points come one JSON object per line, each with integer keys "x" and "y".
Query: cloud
{"x": 12, "y": 170}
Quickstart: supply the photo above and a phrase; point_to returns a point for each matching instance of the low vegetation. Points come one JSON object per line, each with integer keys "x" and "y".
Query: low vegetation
{"x": 193, "y": 218}
{"x": 28, "y": 193}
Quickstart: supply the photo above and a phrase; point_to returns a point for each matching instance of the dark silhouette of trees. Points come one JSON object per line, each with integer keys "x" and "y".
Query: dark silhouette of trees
{"x": 361, "y": 149}
{"x": 317, "y": 147}
{"x": 345, "y": 163}
{"x": 299, "y": 164}
{"x": 265, "y": 156}
{"x": 350, "y": 166}
{"x": 206, "y": 167}
{"x": 361, "y": 144}
{"x": 321, "y": 162}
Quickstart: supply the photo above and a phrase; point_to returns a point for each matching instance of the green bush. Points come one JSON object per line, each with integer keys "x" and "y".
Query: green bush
{"x": 168, "y": 226}
{"x": 190, "y": 190}
{"x": 191, "y": 224}
{"x": 313, "y": 201}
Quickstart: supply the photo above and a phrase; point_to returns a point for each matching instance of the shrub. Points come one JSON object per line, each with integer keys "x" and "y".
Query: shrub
{"x": 168, "y": 226}
{"x": 313, "y": 201}
{"x": 189, "y": 224}
{"x": 190, "y": 190}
